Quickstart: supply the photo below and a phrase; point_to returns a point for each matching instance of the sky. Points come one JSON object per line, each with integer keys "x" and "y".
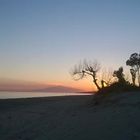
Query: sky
{"x": 41, "y": 40}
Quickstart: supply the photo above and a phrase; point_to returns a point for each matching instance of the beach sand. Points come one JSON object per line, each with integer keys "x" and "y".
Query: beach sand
{"x": 116, "y": 117}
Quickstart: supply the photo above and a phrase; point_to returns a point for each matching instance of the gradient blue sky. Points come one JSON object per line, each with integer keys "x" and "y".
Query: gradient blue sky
{"x": 40, "y": 40}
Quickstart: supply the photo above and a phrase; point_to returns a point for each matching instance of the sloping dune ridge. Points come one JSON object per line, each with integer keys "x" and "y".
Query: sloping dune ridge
{"x": 116, "y": 117}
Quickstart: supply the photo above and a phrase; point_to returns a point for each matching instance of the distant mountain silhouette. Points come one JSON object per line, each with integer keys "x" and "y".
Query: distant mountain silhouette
{"x": 59, "y": 89}
{"x": 27, "y": 86}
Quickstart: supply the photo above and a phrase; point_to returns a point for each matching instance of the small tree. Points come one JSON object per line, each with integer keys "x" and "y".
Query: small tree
{"x": 119, "y": 74}
{"x": 107, "y": 77}
{"x": 134, "y": 62}
{"x": 87, "y": 68}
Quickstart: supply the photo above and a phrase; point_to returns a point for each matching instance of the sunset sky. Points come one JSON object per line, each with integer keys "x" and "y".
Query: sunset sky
{"x": 41, "y": 40}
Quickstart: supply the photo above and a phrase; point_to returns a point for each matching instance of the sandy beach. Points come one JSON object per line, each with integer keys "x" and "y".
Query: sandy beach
{"x": 116, "y": 117}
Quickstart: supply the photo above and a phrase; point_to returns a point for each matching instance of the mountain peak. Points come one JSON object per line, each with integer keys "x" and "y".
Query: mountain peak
{"x": 60, "y": 88}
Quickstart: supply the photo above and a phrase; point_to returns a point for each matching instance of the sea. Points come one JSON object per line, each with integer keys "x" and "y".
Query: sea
{"x": 15, "y": 95}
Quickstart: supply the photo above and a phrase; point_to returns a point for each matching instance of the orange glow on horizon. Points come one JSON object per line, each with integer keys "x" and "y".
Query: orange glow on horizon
{"x": 83, "y": 85}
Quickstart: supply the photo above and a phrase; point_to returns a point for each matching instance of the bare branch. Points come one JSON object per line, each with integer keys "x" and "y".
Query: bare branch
{"x": 86, "y": 68}
{"x": 107, "y": 76}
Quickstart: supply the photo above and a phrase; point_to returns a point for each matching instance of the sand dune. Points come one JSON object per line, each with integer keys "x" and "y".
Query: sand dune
{"x": 71, "y": 118}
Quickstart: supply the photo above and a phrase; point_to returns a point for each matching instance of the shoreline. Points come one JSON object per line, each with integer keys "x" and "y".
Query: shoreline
{"x": 24, "y": 95}
{"x": 45, "y": 99}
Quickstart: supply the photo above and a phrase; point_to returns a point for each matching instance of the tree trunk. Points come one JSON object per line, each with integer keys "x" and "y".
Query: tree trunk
{"x": 102, "y": 83}
{"x": 133, "y": 80}
{"x": 95, "y": 82}
{"x": 139, "y": 77}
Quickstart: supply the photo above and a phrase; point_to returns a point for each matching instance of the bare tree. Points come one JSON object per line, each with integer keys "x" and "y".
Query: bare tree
{"x": 107, "y": 77}
{"x": 127, "y": 77}
{"x": 87, "y": 68}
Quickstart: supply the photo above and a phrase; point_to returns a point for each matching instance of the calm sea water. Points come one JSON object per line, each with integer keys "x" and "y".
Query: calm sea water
{"x": 14, "y": 95}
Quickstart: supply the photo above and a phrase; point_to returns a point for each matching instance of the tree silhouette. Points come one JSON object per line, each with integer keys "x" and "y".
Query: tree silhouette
{"x": 119, "y": 74}
{"x": 134, "y": 62}
{"x": 87, "y": 68}
{"x": 133, "y": 74}
{"x": 107, "y": 77}
{"x": 104, "y": 80}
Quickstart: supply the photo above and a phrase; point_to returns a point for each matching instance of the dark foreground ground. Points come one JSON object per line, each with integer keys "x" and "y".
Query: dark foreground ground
{"x": 71, "y": 118}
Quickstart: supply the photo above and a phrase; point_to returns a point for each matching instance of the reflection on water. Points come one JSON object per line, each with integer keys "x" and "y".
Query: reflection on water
{"x": 13, "y": 95}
